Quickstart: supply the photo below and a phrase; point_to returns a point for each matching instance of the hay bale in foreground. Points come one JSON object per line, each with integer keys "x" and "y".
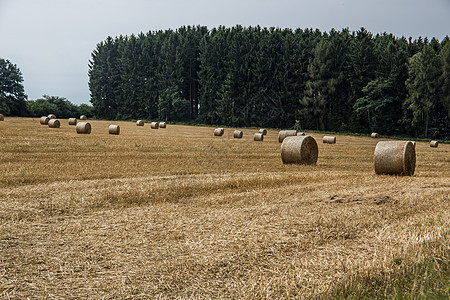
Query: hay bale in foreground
{"x": 2, "y": 117}
{"x": 301, "y": 133}
{"x": 154, "y": 125}
{"x": 83, "y": 128}
{"x": 139, "y": 123}
{"x": 374, "y": 135}
{"x": 285, "y": 133}
{"x": 51, "y": 116}
{"x": 162, "y": 125}
{"x": 72, "y": 121}
{"x": 218, "y": 131}
{"x": 300, "y": 150}
{"x": 434, "y": 144}
{"x": 258, "y": 137}
{"x": 329, "y": 139}
{"x": 114, "y": 129}
{"x": 263, "y": 131}
{"x": 44, "y": 120}
{"x": 395, "y": 158}
{"x": 238, "y": 134}
{"x": 54, "y": 123}
{"x": 83, "y": 117}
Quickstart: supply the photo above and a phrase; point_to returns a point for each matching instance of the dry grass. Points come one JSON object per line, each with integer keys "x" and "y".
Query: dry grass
{"x": 180, "y": 213}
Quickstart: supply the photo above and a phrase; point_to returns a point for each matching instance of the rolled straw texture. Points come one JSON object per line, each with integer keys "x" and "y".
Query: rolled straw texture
{"x": 238, "y": 134}
{"x": 434, "y": 144}
{"x": 329, "y": 139}
{"x": 83, "y": 117}
{"x": 301, "y": 150}
{"x": 162, "y": 125}
{"x": 263, "y": 131}
{"x": 395, "y": 158}
{"x": 154, "y": 125}
{"x": 218, "y": 131}
{"x": 114, "y": 129}
{"x": 44, "y": 120}
{"x": 54, "y": 123}
{"x": 51, "y": 116}
{"x": 2, "y": 117}
{"x": 140, "y": 123}
{"x": 374, "y": 135}
{"x": 72, "y": 121}
{"x": 285, "y": 133}
{"x": 83, "y": 128}
{"x": 258, "y": 136}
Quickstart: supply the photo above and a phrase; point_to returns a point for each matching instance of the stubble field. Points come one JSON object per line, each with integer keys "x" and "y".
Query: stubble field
{"x": 179, "y": 213}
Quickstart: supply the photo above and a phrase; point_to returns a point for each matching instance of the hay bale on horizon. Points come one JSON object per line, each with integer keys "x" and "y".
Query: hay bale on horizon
{"x": 2, "y": 117}
{"x": 54, "y": 123}
{"x": 154, "y": 125}
{"x": 301, "y": 134}
{"x": 300, "y": 150}
{"x": 329, "y": 139}
{"x": 237, "y": 134}
{"x": 258, "y": 137}
{"x": 434, "y": 144}
{"x": 51, "y": 116}
{"x": 219, "y": 131}
{"x": 374, "y": 135}
{"x": 114, "y": 129}
{"x": 395, "y": 158}
{"x": 83, "y": 117}
{"x": 162, "y": 124}
{"x": 44, "y": 120}
{"x": 139, "y": 123}
{"x": 83, "y": 128}
{"x": 73, "y": 121}
{"x": 285, "y": 133}
{"x": 263, "y": 131}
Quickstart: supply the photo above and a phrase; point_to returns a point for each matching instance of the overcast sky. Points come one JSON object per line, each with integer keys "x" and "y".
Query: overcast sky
{"x": 51, "y": 40}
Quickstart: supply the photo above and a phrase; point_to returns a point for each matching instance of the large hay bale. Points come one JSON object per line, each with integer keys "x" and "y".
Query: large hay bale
{"x": 51, "y": 116}
{"x": 114, "y": 129}
{"x": 44, "y": 120}
{"x": 395, "y": 157}
{"x": 434, "y": 144}
{"x": 162, "y": 125}
{"x": 285, "y": 133}
{"x": 258, "y": 137}
{"x": 72, "y": 121}
{"x": 83, "y": 117}
{"x": 83, "y": 128}
{"x": 329, "y": 139}
{"x": 139, "y": 123}
{"x": 300, "y": 150}
{"x": 237, "y": 134}
{"x": 219, "y": 131}
{"x": 374, "y": 135}
{"x": 263, "y": 131}
{"x": 2, "y": 117}
{"x": 54, "y": 123}
{"x": 301, "y": 133}
{"x": 154, "y": 125}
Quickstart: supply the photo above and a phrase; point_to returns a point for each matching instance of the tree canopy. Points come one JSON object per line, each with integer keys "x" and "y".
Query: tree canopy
{"x": 12, "y": 95}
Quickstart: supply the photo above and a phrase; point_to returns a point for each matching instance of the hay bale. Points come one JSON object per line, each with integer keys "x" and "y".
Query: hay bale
{"x": 374, "y": 135}
{"x": 44, "y": 120}
{"x": 139, "y": 123}
{"x": 238, "y": 134}
{"x": 300, "y": 150}
{"x": 162, "y": 124}
{"x": 54, "y": 123}
{"x": 51, "y": 116}
{"x": 434, "y": 144}
{"x": 2, "y": 117}
{"x": 285, "y": 133}
{"x": 72, "y": 121}
{"x": 83, "y": 128}
{"x": 114, "y": 129}
{"x": 258, "y": 137}
{"x": 395, "y": 157}
{"x": 301, "y": 134}
{"x": 219, "y": 131}
{"x": 263, "y": 131}
{"x": 329, "y": 139}
{"x": 154, "y": 125}
{"x": 83, "y": 117}
{"x": 414, "y": 143}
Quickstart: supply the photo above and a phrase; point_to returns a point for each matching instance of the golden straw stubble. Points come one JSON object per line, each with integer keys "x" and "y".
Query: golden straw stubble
{"x": 395, "y": 158}
{"x": 83, "y": 128}
{"x": 300, "y": 150}
{"x": 114, "y": 129}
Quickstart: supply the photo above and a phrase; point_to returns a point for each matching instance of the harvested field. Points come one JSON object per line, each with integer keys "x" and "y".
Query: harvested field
{"x": 180, "y": 213}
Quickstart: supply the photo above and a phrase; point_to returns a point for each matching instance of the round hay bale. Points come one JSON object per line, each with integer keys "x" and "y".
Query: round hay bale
{"x": 395, "y": 157}
{"x": 263, "y": 131}
{"x": 434, "y": 144}
{"x": 154, "y": 125}
{"x": 414, "y": 143}
{"x": 374, "y": 135}
{"x": 285, "y": 133}
{"x": 258, "y": 137}
{"x": 2, "y": 117}
{"x": 51, "y": 116}
{"x": 54, "y": 123}
{"x": 44, "y": 120}
{"x": 114, "y": 129}
{"x": 238, "y": 134}
{"x": 83, "y": 117}
{"x": 219, "y": 131}
{"x": 83, "y": 128}
{"x": 162, "y": 124}
{"x": 139, "y": 123}
{"x": 72, "y": 121}
{"x": 329, "y": 139}
{"x": 301, "y": 134}
{"x": 300, "y": 150}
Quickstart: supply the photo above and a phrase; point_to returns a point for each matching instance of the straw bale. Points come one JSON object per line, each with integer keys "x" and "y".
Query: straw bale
{"x": 83, "y": 117}
{"x": 114, "y": 129}
{"x": 237, "y": 134}
{"x": 434, "y": 144}
{"x": 301, "y": 133}
{"x": 44, "y": 120}
{"x": 300, "y": 150}
{"x": 54, "y": 123}
{"x": 374, "y": 135}
{"x": 51, "y": 116}
{"x": 140, "y": 123}
{"x": 154, "y": 125}
{"x": 218, "y": 131}
{"x": 263, "y": 131}
{"x": 72, "y": 121}
{"x": 83, "y": 128}
{"x": 395, "y": 158}
{"x": 2, "y": 117}
{"x": 258, "y": 136}
{"x": 329, "y": 139}
{"x": 162, "y": 125}
{"x": 285, "y": 133}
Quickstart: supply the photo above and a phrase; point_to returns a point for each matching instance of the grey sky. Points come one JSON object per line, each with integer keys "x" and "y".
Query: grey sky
{"x": 51, "y": 40}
